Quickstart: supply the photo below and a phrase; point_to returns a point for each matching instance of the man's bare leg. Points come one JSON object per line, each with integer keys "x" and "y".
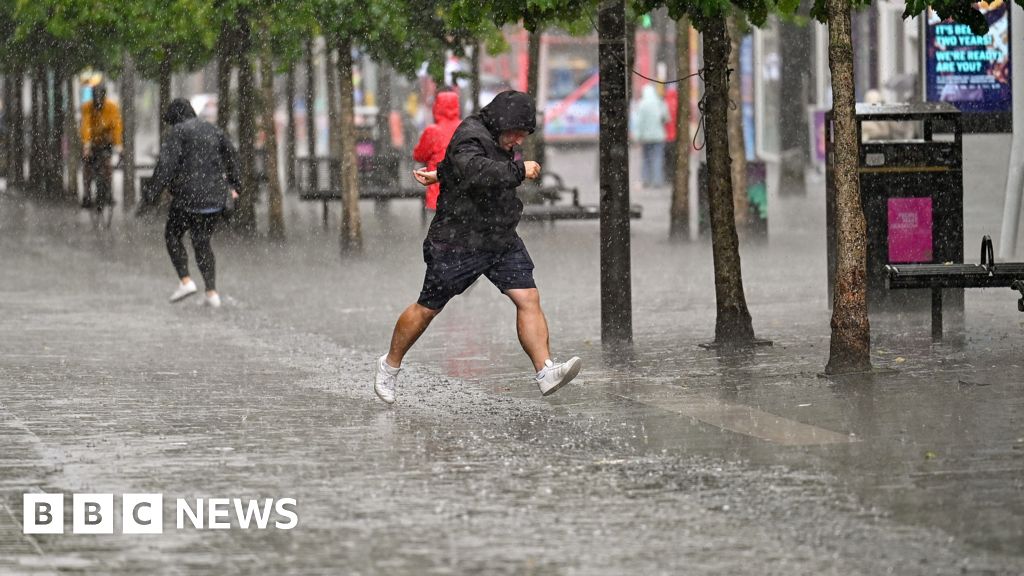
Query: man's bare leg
{"x": 411, "y": 324}
{"x": 531, "y": 325}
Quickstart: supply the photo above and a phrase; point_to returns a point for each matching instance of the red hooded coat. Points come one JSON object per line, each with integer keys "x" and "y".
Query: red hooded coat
{"x": 434, "y": 141}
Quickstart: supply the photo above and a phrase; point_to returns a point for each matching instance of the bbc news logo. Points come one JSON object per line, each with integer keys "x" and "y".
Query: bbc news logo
{"x": 144, "y": 513}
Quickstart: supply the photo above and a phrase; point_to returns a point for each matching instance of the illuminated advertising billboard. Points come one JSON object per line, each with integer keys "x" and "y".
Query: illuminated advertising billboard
{"x": 969, "y": 71}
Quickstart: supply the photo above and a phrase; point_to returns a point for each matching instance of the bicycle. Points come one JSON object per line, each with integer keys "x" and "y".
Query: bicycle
{"x": 99, "y": 171}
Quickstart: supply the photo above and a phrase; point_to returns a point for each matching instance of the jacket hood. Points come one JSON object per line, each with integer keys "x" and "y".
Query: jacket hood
{"x": 510, "y": 110}
{"x": 649, "y": 94}
{"x": 446, "y": 106}
{"x": 178, "y": 111}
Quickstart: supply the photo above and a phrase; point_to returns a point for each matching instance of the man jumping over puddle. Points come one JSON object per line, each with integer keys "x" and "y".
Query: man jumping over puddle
{"x": 473, "y": 233}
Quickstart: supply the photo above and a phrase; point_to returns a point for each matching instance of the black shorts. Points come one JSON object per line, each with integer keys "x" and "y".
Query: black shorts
{"x": 453, "y": 269}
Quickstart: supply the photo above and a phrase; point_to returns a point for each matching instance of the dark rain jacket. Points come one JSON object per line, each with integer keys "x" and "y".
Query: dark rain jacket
{"x": 197, "y": 162}
{"x": 478, "y": 207}
{"x": 434, "y": 141}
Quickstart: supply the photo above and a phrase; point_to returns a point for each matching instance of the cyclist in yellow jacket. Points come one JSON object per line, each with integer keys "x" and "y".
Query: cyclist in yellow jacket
{"x": 101, "y": 137}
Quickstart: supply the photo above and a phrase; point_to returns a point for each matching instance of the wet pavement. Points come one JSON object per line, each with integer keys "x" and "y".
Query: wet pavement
{"x": 664, "y": 458}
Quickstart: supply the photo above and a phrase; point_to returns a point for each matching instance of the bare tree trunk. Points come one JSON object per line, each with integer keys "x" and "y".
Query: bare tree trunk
{"x": 164, "y": 90}
{"x": 733, "y": 324}
{"x": 850, "y": 347}
{"x": 333, "y": 127}
{"x": 383, "y": 119}
{"x": 351, "y": 234}
{"x": 616, "y": 274}
{"x": 474, "y": 76}
{"x": 274, "y": 199}
{"x": 333, "y": 120}
{"x": 56, "y": 141}
{"x": 225, "y": 53}
{"x": 36, "y": 145}
{"x": 245, "y": 216}
{"x": 533, "y": 148}
{"x": 314, "y": 177}
{"x": 679, "y": 222}
{"x": 6, "y": 154}
{"x": 16, "y": 126}
{"x": 289, "y": 142}
{"x": 795, "y": 44}
{"x": 74, "y": 144}
{"x": 128, "y": 132}
{"x": 737, "y": 141}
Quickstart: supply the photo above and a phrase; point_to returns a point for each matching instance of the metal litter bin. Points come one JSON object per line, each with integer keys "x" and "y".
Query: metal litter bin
{"x": 911, "y": 189}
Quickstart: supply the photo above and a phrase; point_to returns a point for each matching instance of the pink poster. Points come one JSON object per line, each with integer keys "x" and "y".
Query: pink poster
{"x": 910, "y": 230}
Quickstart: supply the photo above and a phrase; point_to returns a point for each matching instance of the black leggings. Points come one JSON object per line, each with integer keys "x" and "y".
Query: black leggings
{"x": 201, "y": 229}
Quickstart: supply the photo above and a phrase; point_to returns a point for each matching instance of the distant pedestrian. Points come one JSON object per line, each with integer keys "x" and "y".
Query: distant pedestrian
{"x": 473, "y": 233}
{"x": 101, "y": 132}
{"x": 434, "y": 141}
{"x": 649, "y": 119}
{"x": 198, "y": 166}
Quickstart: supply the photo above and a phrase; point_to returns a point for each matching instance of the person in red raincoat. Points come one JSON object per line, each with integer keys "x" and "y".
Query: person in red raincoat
{"x": 434, "y": 141}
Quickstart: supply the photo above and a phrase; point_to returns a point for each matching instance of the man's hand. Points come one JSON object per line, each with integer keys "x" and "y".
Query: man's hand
{"x": 234, "y": 194}
{"x": 425, "y": 177}
{"x": 86, "y": 149}
{"x": 532, "y": 169}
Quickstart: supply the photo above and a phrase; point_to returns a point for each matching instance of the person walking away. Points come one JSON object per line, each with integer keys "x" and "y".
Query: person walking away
{"x": 434, "y": 140}
{"x": 101, "y": 137}
{"x": 198, "y": 165}
{"x": 649, "y": 130}
{"x": 473, "y": 233}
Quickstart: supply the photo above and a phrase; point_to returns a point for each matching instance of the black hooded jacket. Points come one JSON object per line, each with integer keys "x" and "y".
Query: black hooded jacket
{"x": 197, "y": 162}
{"x": 478, "y": 207}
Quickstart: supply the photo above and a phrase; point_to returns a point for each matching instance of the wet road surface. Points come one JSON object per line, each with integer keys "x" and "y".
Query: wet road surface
{"x": 665, "y": 458}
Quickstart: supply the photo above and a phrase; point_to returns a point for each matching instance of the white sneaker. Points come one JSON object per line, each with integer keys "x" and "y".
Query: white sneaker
{"x": 554, "y": 376}
{"x": 386, "y": 382}
{"x": 184, "y": 291}
{"x": 212, "y": 301}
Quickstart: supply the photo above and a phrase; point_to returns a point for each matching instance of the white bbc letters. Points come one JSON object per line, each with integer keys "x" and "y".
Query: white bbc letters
{"x": 42, "y": 513}
{"x": 92, "y": 514}
{"x": 142, "y": 513}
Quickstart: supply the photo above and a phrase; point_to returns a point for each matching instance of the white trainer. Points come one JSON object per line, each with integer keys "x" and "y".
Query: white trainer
{"x": 554, "y": 376}
{"x": 212, "y": 301}
{"x": 385, "y": 383}
{"x": 184, "y": 291}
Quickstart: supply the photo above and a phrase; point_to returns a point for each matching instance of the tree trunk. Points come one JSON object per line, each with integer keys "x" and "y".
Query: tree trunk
{"x": 333, "y": 126}
{"x": 6, "y": 153}
{"x": 16, "y": 126}
{"x": 679, "y": 223}
{"x": 616, "y": 280}
{"x": 55, "y": 153}
{"x": 41, "y": 138}
{"x": 35, "y": 164}
{"x": 128, "y": 132}
{"x": 850, "y": 348}
{"x": 245, "y": 216}
{"x": 225, "y": 53}
{"x": 533, "y": 149}
{"x": 737, "y": 141}
{"x": 733, "y": 325}
{"x": 313, "y": 181}
{"x": 164, "y": 90}
{"x": 71, "y": 135}
{"x": 274, "y": 199}
{"x": 795, "y": 44}
{"x": 383, "y": 119}
{"x": 289, "y": 142}
{"x": 474, "y": 76}
{"x": 333, "y": 120}
{"x": 351, "y": 234}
